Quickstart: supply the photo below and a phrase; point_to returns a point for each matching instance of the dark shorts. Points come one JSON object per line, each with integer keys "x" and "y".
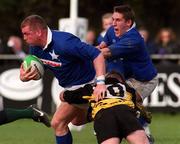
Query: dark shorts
{"x": 117, "y": 121}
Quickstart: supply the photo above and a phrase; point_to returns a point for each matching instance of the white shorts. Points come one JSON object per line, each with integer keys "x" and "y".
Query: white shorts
{"x": 78, "y": 86}
{"x": 144, "y": 89}
{"x": 82, "y": 106}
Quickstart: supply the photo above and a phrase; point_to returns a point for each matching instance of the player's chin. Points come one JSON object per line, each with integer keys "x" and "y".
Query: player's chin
{"x": 117, "y": 34}
{"x": 32, "y": 43}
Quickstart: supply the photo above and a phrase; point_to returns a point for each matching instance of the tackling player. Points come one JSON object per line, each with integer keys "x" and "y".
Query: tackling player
{"x": 114, "y": 116}
{"x": 73, "y": 63}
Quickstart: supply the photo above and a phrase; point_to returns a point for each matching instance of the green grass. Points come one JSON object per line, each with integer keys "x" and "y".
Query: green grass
{"x": 165, "y": 128}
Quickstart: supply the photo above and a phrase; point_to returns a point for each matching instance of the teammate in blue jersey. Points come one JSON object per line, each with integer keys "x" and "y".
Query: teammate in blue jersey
{"x": 74, "y": 63}
{"x": 123, "y": 42}
{"x": 106, "y": 23}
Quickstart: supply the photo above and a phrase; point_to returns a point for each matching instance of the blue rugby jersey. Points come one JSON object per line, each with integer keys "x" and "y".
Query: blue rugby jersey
{"x": 130, "y": 48}
{"x": 111, "y": 64}
{"x": 68, "y": 58}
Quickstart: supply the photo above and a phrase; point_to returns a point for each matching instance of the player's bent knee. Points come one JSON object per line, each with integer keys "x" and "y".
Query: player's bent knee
{"x": 59, "y": 123}
{"x": 54, "y": 123}
{"x": 80, "y": 120}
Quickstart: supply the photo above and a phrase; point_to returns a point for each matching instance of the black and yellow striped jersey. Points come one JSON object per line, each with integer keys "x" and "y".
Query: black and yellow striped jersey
{"x": 117, "y": 94}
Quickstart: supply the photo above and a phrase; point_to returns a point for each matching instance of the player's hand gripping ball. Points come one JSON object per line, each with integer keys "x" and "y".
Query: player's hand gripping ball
{"x": 35, "y": 63}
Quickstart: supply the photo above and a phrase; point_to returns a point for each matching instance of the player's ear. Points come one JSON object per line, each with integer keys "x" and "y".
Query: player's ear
{"x": 61, "y": 96}
{"x": 129, "y": 23}
{"x": 38, "y": 32}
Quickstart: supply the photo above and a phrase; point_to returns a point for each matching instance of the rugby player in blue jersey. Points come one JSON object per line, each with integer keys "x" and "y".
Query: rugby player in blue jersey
{"x": 73, "y": 63}
{"x": 106, "y": 23}
{"x": 125, "y": 51}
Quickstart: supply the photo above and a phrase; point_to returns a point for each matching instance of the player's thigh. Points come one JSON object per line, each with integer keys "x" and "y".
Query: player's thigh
{"x": 137, "y": 137}
{"x": 80, "y": 115}
{"x": 113, "y": 140}
{"x": 64, "y": 114}
{"x": 144, "y": 89}
{"x": 126, "y": 119}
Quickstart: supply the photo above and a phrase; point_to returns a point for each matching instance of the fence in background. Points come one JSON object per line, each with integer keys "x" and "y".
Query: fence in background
{"x": 166, "y": 96}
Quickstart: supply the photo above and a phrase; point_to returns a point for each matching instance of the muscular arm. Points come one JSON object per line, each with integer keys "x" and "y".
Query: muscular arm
{"x": 99, "y": 65}
{"x": 120, "y": 49}
{"x": 124, "y": 47}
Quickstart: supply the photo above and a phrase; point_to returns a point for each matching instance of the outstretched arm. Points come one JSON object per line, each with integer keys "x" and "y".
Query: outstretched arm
{"x": 100, "y": 89}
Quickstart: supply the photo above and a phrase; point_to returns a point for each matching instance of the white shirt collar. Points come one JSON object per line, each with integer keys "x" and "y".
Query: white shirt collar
{"x": 133, "y": 26}
{"x": 49, "y": 38}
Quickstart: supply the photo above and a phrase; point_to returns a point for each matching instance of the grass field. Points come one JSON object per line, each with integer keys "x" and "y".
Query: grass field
{"x": 165, "y": 129}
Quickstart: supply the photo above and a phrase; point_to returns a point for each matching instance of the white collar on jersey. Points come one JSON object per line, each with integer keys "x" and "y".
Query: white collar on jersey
{"x": 49, "y": 38}
{"x": 133, "y": 26}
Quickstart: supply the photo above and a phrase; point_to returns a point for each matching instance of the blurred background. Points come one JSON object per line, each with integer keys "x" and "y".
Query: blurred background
{"x": 151, "y": 14}
{"x": 157, "y": 21}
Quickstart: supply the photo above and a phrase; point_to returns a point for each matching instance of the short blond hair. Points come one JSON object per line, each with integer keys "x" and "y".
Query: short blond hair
{"x": 107, "y": 15}
{"x": 34, "y": 21}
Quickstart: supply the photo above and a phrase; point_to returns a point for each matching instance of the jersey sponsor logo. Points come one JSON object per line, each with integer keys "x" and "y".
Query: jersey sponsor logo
{"x": 51, "y": 63}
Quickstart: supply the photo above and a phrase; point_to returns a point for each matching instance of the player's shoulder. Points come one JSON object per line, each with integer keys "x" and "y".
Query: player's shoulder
{"x": 34, "y": 50}
{"x": 62, "y": 33}
{"x": 64, "y": 37}
{"x": 133, "y": 31}
{"x": 134, "y": 35}
{"x": 110, "y": 30}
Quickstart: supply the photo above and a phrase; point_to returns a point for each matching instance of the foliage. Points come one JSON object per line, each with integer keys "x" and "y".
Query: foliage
{"x": 152, "y": 14}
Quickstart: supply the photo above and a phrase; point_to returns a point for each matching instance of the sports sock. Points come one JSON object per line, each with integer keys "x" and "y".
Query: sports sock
{"x": 145, "y": 126}
{"x": 65, "y": 139}
{"x": 142, "y": 121}
{"x": 15, "y": 114}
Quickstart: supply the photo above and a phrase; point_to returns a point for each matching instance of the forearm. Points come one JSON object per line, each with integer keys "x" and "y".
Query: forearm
{"x": 99, "y": 65}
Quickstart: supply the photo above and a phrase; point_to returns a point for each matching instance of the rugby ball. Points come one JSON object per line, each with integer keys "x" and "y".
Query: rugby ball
{"x": 33, "y": 62}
